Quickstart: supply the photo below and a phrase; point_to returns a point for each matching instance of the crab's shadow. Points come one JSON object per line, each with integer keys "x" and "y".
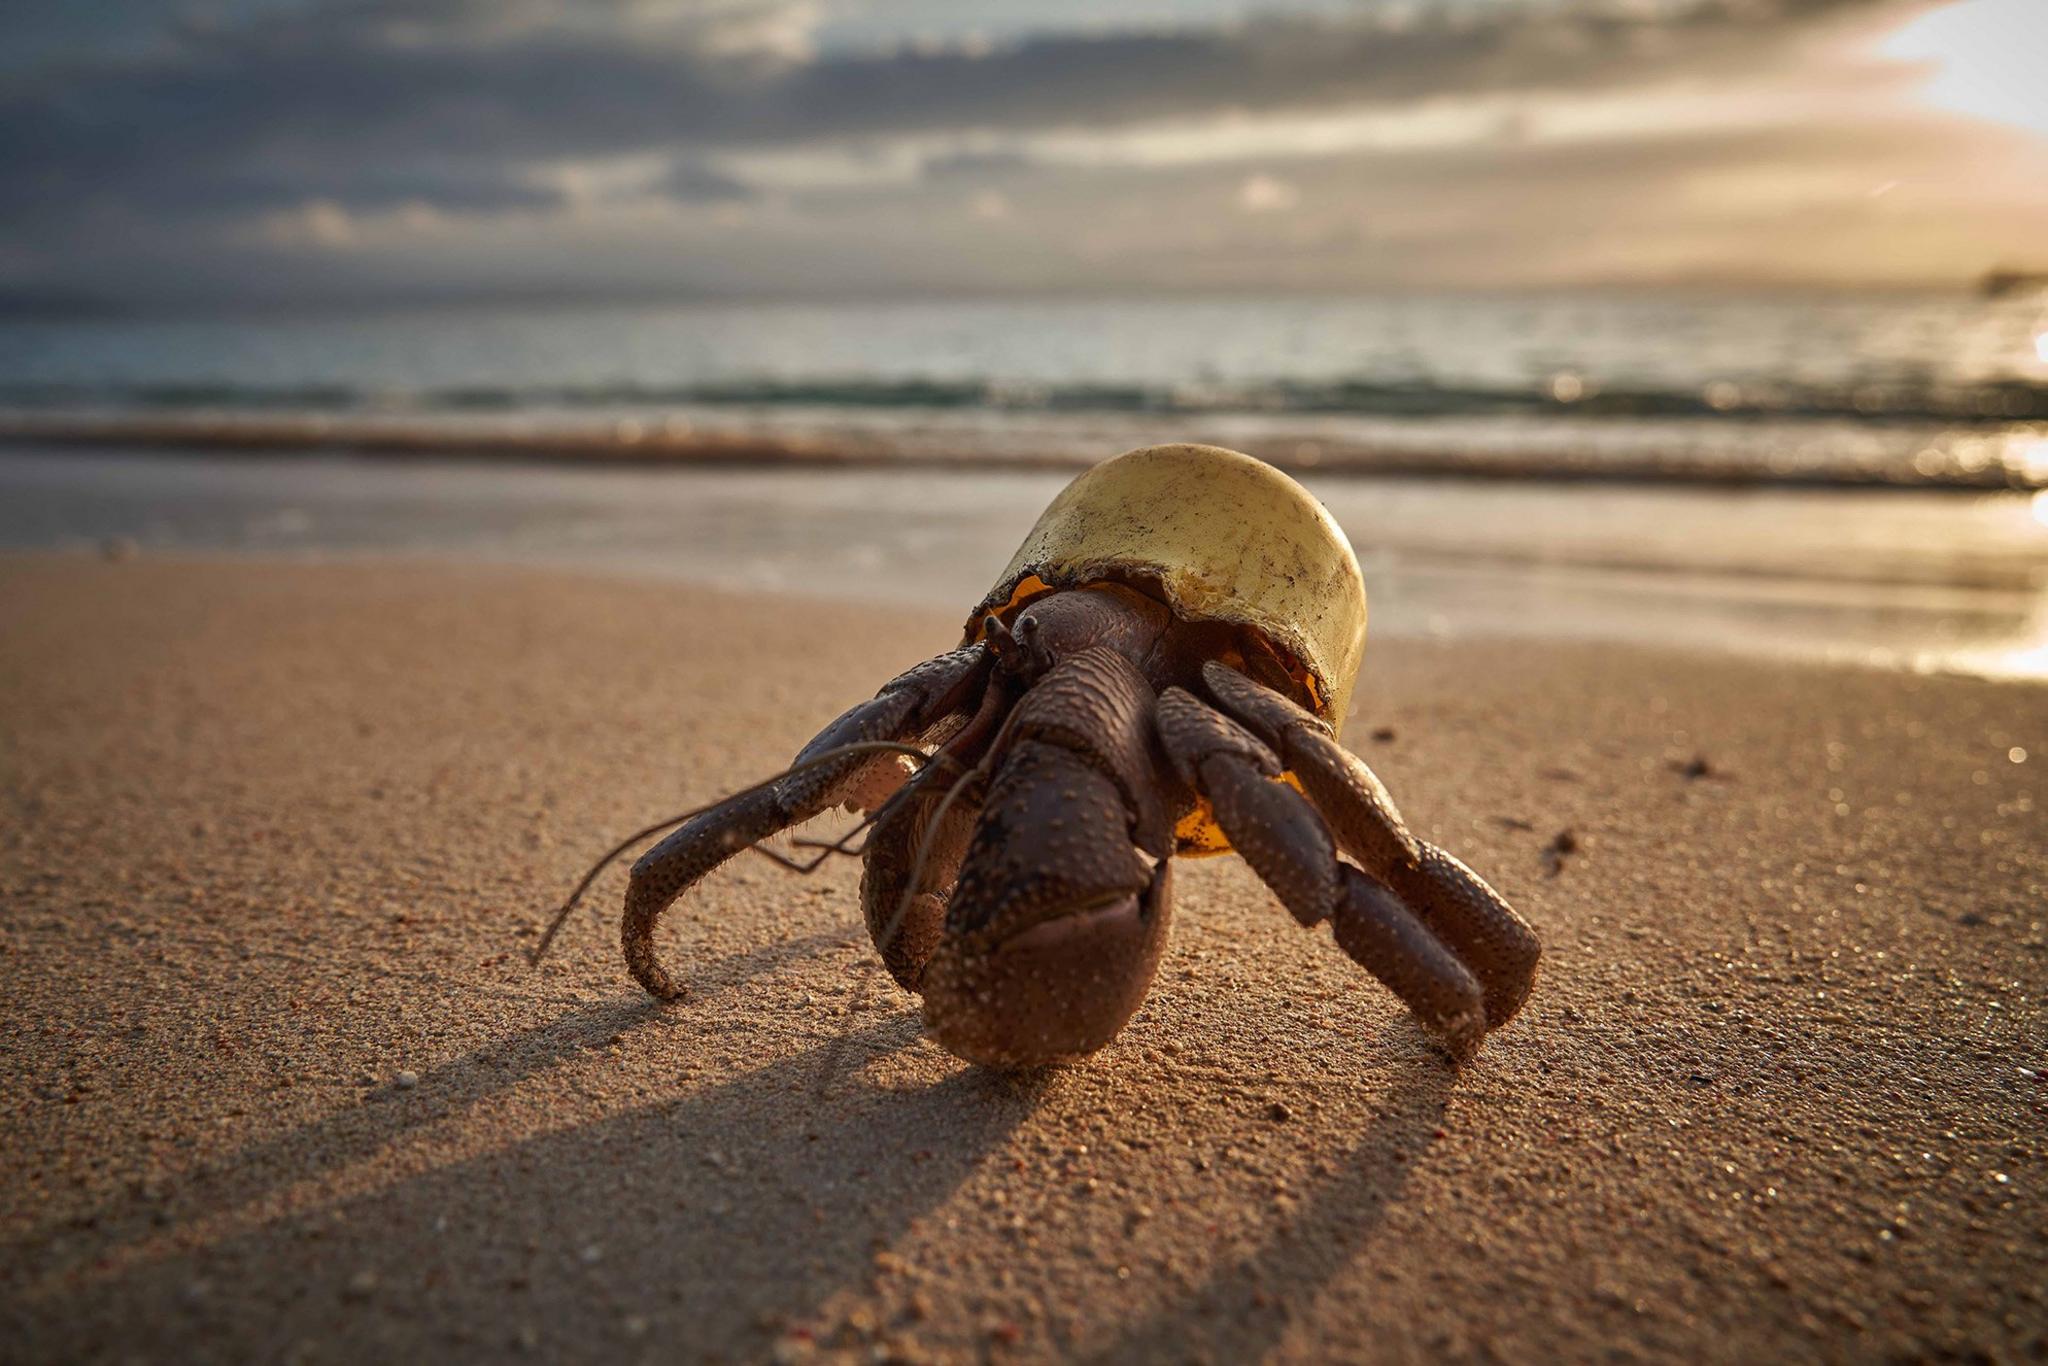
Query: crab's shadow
{"x": 698, "y": 1226}
{"x": 1243, "y": 1308}
{"x": 230, "y": 1182}
{"x": 703, "y": 1226}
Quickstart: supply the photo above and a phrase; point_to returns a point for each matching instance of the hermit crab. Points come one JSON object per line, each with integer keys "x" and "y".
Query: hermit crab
{"x": 1160, "y": 670}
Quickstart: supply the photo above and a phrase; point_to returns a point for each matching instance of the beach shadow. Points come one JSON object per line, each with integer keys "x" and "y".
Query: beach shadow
{"x": 384, "y": 1115}
{"x": 710, "y": 1226}
{"x": 1245, "y": 1306}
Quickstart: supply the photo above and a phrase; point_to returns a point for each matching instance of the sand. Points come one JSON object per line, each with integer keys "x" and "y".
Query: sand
{"x": 279, "y": 1085}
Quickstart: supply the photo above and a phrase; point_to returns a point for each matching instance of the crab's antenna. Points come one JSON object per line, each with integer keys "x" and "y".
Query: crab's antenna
{"x": 814, "y": 761}
{"x": 826, "y": 848}
{"x": 940, "y": 760}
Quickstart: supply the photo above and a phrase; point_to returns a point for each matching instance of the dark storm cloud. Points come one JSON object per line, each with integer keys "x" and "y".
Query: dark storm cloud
{"x": 451, "y": 102}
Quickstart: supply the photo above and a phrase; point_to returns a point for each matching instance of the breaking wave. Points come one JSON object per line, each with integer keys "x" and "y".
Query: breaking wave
{"x": 1563, "y": 395}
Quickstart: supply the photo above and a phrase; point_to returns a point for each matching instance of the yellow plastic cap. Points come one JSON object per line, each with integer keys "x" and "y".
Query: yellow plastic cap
{"x": 1219, "y": 537}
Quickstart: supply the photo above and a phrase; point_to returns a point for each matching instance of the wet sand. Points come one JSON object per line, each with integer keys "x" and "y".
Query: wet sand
{"x": 1847, "y": 576}
{"x": 278, "y": 1083}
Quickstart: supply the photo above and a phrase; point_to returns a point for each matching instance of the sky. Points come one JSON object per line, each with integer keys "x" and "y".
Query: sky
{"x": 258, "y": 151}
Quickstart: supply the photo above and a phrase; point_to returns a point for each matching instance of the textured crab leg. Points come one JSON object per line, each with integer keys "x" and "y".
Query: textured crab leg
{"x": 903, "y": 902}
{"x": 1350, "y": 795}
{"x": 910, "y": 862}
{"x": 1056, "y": 924}
{"x": 1487, "y": 933}
{"x": 1288, "y": 845}
{"x": 909, "y": 705}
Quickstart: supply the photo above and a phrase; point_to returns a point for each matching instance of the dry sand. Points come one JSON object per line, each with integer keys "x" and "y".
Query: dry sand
{"x": 278, "y": 1083}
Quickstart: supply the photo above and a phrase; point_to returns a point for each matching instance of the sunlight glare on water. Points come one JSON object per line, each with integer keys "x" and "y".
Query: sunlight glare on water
{"x": 2022, "y": 663}
{"x": 2028, "y": 458}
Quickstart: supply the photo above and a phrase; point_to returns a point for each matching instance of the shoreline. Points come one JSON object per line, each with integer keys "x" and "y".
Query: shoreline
{"x": 1978, "y": 667}
{"x": 1959, "y": 462}
{"x": 1906, "y": 578}
{"x": 276, "y": 836}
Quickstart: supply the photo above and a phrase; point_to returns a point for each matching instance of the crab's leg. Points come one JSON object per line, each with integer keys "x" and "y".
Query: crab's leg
{"x": 1055, "y": 926}
{"x": 1287, "y": 844}
{"x": 1350, "y": 795}
{"x": 915, "y": 849}
{"x": 913, "y": 856}
{"x": 911, "y": 705}
{"x": 1457, "y": 905}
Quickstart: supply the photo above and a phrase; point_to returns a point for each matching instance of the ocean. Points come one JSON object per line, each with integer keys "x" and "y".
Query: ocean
{"x": 1908, "y": 388}
{"x": 1831, "y": 474}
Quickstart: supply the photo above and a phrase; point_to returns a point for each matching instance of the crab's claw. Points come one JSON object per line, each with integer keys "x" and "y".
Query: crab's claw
{"x": 1056, "y": 925}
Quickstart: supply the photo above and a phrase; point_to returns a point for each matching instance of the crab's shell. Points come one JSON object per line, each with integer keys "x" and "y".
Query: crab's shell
{"x": 1219, "y": 537}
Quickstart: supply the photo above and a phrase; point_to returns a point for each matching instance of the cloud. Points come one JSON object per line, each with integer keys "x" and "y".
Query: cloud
{"x": 318, "y": 222}
{"x": 990, "y": 205}
{"x": 1262, "y": 193}
{"x": 970, "y": 163}
{"x": 693, "y": 182}
{"x": 537, "y": 131}
{"x": 341, "y": 90}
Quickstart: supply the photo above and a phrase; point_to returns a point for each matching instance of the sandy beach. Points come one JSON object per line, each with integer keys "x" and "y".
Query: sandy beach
{"x": 279, "y": 1084}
